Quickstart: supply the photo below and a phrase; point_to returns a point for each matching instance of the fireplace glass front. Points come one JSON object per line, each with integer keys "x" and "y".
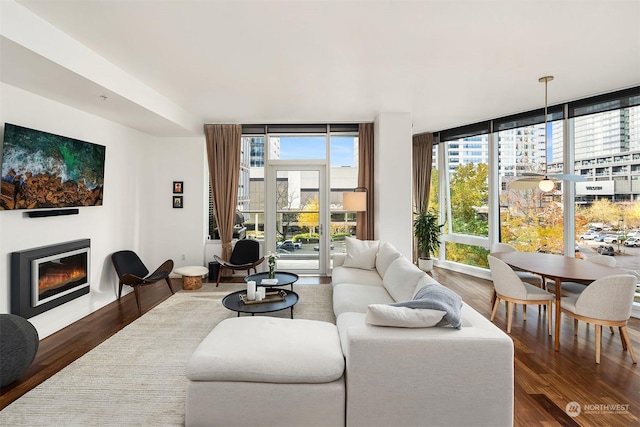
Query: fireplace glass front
{"x": 57, "y": 275}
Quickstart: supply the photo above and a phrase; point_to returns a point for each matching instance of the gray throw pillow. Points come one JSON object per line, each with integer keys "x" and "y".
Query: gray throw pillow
{"x": 434, "y": 296}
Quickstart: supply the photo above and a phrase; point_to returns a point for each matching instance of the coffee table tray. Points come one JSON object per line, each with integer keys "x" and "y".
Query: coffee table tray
{"x": 269, "y": 297}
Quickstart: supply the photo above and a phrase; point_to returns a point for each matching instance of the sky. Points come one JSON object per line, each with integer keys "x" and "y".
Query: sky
{"x": 313, "y": 147}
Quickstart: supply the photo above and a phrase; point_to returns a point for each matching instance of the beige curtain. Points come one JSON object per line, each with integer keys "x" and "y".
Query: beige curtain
{"x": 223, "y": 154}
{"x": 365, "y": 220}
{"x": 422, "y": 164}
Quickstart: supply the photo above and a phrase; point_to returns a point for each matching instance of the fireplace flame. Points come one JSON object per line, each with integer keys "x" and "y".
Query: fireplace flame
{"x": 59, "y": 278}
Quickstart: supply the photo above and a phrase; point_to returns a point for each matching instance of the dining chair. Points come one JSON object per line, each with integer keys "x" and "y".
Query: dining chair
{"x": 605, "y": 302}
{"x": 573, "y": 289}
{"x": 511, "y": 289}
{"x": 525, "y": 276}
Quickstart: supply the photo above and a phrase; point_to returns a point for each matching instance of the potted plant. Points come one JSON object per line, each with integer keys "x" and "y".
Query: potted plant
{"x": 427, "y": 232}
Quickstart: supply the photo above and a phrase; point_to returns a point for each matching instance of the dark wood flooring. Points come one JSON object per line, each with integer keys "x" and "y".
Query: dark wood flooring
{"x": 546, "y": 381}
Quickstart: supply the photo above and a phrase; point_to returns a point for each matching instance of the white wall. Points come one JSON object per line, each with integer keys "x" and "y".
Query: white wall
{"x": 110, "y": 227}
{"x": 171, "y": 233}
{"x": 393, "y": 180}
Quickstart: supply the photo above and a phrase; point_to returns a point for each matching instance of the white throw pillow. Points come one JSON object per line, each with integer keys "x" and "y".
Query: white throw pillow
{"x": 361, "y": 253}
{"x": 401, "y": 279}
{"x": 386, "y": 255}
{"x": 402, "y": 317}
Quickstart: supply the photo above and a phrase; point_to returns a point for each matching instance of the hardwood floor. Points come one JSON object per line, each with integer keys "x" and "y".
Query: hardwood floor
{"x": 546, "y": 381}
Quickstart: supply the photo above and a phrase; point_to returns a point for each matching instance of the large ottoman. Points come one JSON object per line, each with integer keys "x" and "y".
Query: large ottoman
{"x": 267, "y": 371}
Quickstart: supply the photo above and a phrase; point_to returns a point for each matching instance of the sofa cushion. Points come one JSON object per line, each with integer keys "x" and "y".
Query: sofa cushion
{"x": 355, "y": 276}
{"x": 350, "y": 297}
{"x": 402, "y": 317}
{"x": 437, "y": 297}
{"x": 401, "y": 279}
{"x": 268, "y": 349}
{"x": 426, "y": 279}
{"x": 386, "y": 255}
{"x": 361, "y": 253}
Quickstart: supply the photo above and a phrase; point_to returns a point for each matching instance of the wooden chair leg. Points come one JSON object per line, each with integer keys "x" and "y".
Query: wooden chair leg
{"x": 624, "y": 343}
{"x": 219, "y": 275}
{"x": 170, "y": 287}
{"x": 611, "y": 329}
{"x": 136, "y": 291}
{"x": 575, "y": 327}
{"x": 598, "y": 342}
{"x": 120, "y": 290}
{"x": 509, "y": 315}
{"x": 625, "y": 333}
{"x": 496, "y": 303}
{"x": 549, "y": 317}
{"x": 524, "y": 312}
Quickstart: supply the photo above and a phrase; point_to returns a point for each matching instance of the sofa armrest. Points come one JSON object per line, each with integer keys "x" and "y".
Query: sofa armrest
{"x": 338, "y": 260}
{"x": 402, "y": 376}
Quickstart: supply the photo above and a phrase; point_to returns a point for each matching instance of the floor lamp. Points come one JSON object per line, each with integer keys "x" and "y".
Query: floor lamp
{"x": 355, "y": 201}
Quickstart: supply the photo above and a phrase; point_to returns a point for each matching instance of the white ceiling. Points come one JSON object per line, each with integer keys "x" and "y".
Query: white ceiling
{"x": 448, "y": 63}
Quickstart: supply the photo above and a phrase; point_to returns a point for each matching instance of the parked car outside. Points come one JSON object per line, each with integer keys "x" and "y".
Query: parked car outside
{"x": 589, "y": 236}
{"x": 612, "y": 238}
{"x": 287, "y": 245}
{"x": 600, "y": 237}
{"x": 606, "y": 250}
{"x": 296, "y": 245}
{"x": 632, "y": 241}
{"x": 317, "y": 248}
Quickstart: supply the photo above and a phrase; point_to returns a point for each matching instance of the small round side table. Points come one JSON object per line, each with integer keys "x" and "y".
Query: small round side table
{"x": 191, "y": 276}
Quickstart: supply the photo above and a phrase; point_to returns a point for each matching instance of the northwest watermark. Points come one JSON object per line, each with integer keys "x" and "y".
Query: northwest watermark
{"x": 573, "y": 409}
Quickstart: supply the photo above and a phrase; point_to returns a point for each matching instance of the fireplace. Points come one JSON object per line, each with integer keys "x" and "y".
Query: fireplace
{"x": 46, "y": 277}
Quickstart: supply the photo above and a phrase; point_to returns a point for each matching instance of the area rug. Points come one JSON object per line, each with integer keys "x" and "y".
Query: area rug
{"x": 137, "y": 377}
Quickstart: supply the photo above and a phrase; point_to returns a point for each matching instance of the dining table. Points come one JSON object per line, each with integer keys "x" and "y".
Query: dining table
{"x": 559, "y": 268}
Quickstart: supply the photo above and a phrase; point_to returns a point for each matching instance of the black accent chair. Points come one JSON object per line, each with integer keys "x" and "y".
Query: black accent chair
{"x": 245, "y": 256}
{"x": 133, "y": 272}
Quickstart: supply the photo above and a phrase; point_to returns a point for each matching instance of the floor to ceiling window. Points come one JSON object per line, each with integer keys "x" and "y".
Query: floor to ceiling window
{"x": 530, "y": 220}
{"x": 597, "y": 138}
{"x": 466, "y": 190}
{"x": 292, "y": 178}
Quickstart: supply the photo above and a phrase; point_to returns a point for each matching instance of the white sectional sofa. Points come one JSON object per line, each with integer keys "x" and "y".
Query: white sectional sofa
{"x": 439, "y": 376}
{"x": 357, "y": 373}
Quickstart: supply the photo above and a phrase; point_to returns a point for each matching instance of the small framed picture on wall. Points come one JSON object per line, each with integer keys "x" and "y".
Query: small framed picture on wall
{"x": 178, "y": 187}
{"x": 177, "y": 202}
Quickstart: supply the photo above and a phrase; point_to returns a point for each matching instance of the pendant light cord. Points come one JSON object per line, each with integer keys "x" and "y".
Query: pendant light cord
{"x": 546, "y": 80}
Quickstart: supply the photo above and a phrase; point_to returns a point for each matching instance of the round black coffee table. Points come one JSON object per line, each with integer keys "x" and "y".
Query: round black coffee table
{"x": 283, "y": 277}
{"x": 234, "y": 303}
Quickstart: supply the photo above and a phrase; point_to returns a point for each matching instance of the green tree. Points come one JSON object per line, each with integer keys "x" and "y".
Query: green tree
{"x": 434, "y": 191}
{"x": 469, "y": 200}
{"x": 469, "y": 196}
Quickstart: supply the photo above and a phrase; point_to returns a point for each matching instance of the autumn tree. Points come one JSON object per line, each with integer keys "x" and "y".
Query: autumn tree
{"x": 310, "y": 217}
{"x": 603, "y": 211}
{"x": 531, "y": 220}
